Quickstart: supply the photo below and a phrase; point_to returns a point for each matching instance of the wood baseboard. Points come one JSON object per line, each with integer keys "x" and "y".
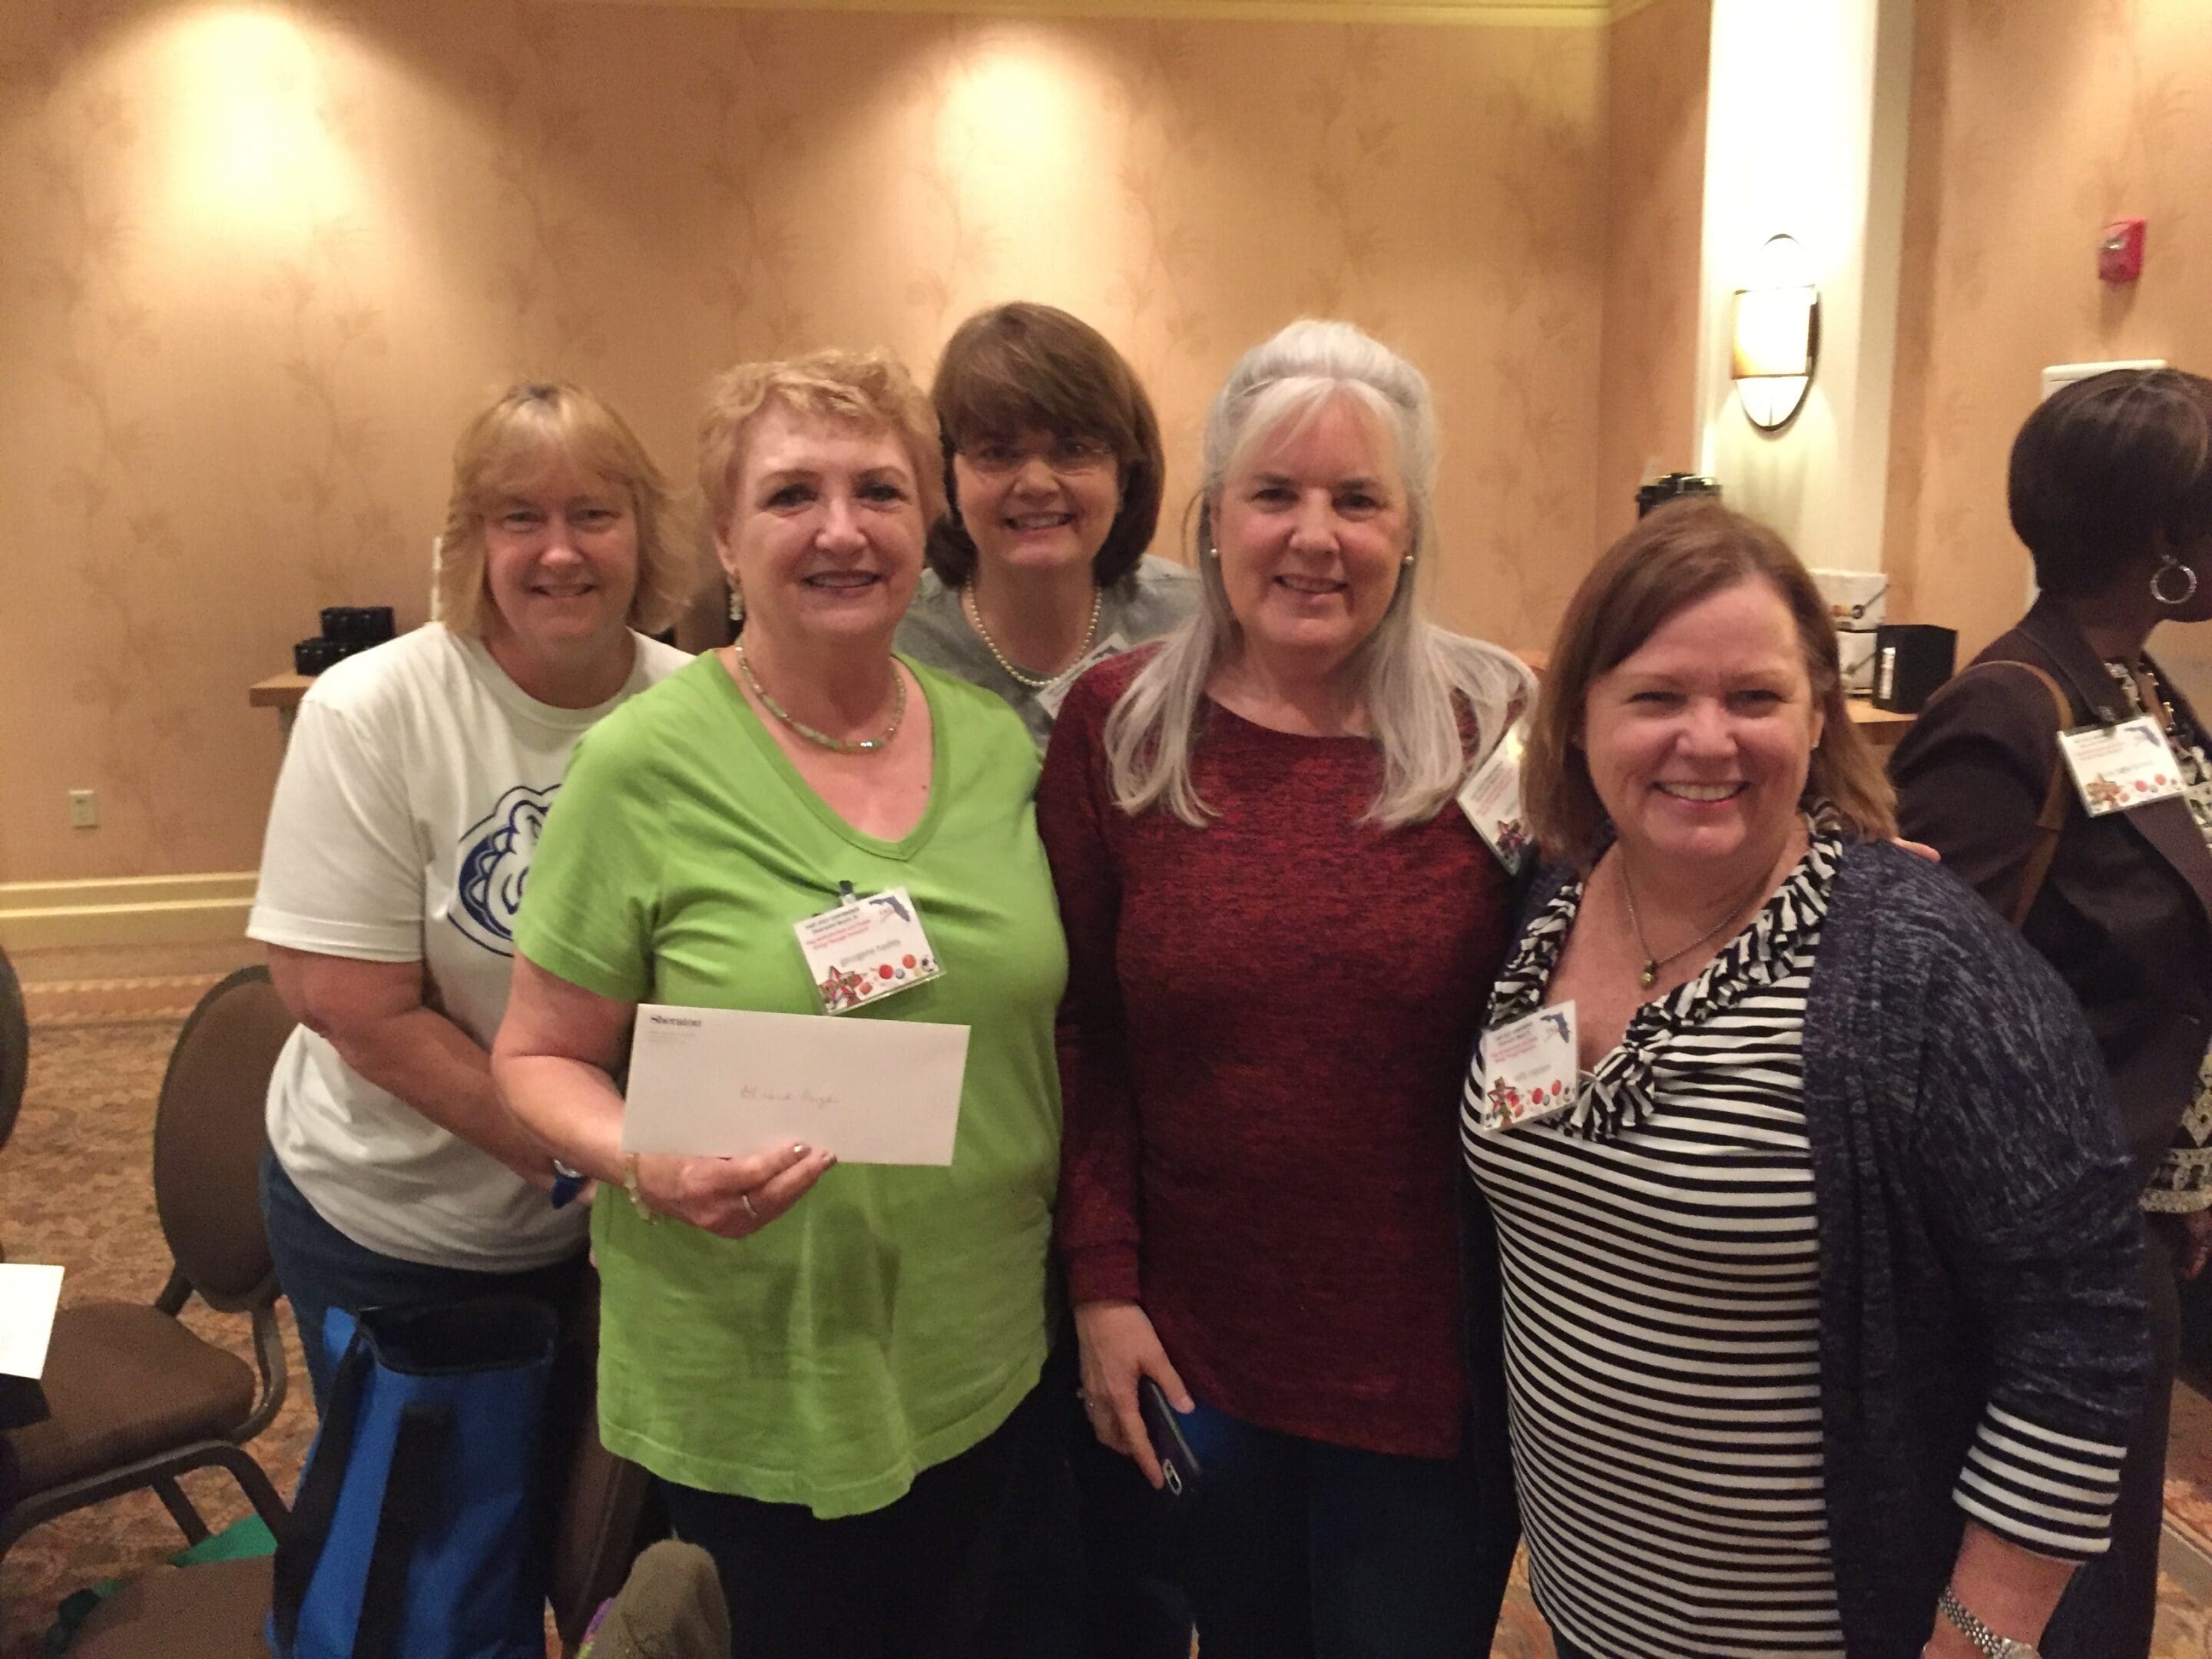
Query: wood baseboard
{"x": 130, "y": 910}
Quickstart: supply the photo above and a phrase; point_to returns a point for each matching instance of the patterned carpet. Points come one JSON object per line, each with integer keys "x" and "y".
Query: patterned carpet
{"x": 76, "y": 1188}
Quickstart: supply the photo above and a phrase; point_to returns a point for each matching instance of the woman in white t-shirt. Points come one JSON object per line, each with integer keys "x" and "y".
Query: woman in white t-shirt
{"x": 412, "y": 792}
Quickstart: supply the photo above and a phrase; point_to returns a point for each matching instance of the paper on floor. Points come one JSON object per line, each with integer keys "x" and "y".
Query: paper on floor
{"x": 28, "y": 1297}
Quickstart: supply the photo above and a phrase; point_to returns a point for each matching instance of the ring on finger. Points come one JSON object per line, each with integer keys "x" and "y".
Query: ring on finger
{"x": 746, "y": 1198}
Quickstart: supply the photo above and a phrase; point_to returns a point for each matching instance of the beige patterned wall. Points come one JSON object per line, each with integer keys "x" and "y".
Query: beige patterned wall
{"x": 2034, "y": 122}
{"x": 1654, "y": 184}
{"x": 263, "y": 259}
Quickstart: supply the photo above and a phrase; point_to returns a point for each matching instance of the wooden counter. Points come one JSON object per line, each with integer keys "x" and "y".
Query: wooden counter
{"x": 279, "y": 690}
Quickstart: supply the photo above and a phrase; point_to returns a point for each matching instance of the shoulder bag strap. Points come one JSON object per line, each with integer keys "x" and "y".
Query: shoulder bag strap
{"x": 307, "y": 1528}
{"x": 2052, "y": 818}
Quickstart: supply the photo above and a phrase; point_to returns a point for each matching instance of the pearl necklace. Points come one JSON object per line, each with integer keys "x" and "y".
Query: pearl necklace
{"x": 841, "y": 745}
{"x": 1023, "y": 675}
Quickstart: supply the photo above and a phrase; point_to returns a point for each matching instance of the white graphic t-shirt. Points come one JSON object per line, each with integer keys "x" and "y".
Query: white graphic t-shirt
{"x": 415, "y": 783}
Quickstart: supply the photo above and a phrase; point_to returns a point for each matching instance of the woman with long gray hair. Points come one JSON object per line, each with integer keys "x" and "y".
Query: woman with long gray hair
{"x": 1281, "y": 934}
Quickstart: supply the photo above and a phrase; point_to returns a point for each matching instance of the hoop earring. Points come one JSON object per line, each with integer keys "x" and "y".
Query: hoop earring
{"x": 2158, "y": 577}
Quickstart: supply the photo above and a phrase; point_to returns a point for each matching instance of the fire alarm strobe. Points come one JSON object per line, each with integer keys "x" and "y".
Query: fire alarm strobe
{"x": 2120, "y": 254}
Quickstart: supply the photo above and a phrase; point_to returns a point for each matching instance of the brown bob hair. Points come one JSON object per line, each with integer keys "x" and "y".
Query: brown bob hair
{"x": 511, "y": 445}
{"x": 1027, "y": 368}
{"x": 870, "y": 390}
{"x": 1675, "y": 557}
{"x": 2106, "y": 465}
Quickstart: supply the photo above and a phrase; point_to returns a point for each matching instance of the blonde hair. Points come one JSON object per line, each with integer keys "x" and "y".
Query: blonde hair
{"x": 868, "y": 389}
{"x": 1419, "y": 683}
{"x": 516, "y": 442}
{"x": 1675, "y": 557}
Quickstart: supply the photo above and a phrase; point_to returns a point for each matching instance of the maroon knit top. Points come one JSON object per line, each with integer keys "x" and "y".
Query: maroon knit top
{"x": 1267, "y": 1025}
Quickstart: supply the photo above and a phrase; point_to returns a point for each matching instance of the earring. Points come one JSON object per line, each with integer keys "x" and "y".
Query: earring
{"x": 737, "y": 603}
{"x": 2158, "y": 578}
{"x": 1211, "y": 552}
{"x": 1408, "y": 562}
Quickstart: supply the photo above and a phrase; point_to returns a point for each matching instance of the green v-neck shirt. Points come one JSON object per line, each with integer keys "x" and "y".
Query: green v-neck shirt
{"x": 895, "y": 1316}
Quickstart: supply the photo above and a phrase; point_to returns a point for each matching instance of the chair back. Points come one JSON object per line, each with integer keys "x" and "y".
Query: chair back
{"x": 14, "y": 1048}
{"x": 209, "y": 1130}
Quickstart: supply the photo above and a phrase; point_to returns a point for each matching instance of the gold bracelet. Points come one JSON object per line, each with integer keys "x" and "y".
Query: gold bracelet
{"x": 636, "y": 1193}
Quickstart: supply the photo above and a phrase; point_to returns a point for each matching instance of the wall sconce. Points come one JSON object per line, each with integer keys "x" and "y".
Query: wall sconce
{"x": 1775, "y": 331}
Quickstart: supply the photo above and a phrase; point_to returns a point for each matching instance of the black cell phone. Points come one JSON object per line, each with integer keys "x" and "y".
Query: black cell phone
{"x": 1179, "y": 1469}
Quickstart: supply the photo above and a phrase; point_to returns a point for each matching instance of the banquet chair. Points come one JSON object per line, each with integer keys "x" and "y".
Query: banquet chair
{"x": 14, "y": 1048}
{"x": 136, "y": 1398}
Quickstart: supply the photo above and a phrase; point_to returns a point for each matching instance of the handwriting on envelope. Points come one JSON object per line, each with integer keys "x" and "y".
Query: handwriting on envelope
{"x": 719, "y": 1082}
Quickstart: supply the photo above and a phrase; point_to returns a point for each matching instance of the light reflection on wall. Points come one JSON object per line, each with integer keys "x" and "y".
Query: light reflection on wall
{"x": 249, "y": 144}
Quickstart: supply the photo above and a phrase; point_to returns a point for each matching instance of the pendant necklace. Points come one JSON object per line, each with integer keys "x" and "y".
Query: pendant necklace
{"x": 1652, "y": 963}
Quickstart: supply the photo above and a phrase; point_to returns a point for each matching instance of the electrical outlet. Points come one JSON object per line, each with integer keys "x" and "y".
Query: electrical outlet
{"x": 84, "y": 809}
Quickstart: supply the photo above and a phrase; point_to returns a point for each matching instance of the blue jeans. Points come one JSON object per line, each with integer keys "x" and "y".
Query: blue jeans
{"x": 320, "y": 1268}
{"x": 1297, "y": 1549}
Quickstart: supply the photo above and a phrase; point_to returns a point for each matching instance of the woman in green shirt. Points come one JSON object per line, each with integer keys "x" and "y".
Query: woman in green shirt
{"x": 831, "y": 1369}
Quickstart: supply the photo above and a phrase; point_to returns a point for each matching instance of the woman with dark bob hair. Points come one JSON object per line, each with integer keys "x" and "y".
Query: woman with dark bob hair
{"x": 1821, "y": 1327}
{"x": 1052, "y": 474}
{"x": 2111, "y": 488}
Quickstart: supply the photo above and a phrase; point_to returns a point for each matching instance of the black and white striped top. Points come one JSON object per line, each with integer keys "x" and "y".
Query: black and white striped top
{"x": 1661, "y": 1321}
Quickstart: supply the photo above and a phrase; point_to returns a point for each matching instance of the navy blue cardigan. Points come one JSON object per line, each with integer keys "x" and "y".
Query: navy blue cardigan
{"x": 1977, "y": 1219}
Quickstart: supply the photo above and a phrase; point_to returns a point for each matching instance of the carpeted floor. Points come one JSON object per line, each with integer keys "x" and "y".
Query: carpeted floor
{"x": 76, "y": 1188}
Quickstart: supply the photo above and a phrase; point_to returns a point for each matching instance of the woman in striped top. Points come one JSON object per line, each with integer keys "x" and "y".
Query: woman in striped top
{"x": 1819, "y": 1309}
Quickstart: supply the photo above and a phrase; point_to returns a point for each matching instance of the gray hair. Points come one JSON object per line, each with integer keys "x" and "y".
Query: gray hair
{"x": 1417, "y": 680}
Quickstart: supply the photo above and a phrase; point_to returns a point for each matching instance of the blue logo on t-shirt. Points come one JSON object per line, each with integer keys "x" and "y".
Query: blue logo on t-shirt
{"x": 494, "y": 863}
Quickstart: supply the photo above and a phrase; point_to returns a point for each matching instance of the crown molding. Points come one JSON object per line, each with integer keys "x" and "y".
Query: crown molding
{"x": 1493, "y": 14}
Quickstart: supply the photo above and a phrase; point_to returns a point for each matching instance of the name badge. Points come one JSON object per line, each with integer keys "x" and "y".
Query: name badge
{"x": 1492, "y": 800}
{"x": 867, "y": 949}
{"x": 2118, "y": 766}
{"x": 1532, "y": 1068}
{"x": 1050, "y": 697}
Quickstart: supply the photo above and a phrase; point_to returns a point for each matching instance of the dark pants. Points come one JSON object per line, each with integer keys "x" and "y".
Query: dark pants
{"x": 976, "y": 1562}
{"x": 1295, "y": 1549}
{"x": 2108, "y": 1608}
{"x": 320, "y": 1268}
{"x": 1134, "y": 1608}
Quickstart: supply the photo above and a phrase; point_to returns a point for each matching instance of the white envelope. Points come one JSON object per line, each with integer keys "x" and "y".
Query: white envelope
{"x": 719, "y": 1082}
{"x": 28, "y": 1297}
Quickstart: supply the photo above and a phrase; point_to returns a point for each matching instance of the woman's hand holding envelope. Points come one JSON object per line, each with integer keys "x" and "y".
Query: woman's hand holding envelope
{"x": 730, "y": 1197}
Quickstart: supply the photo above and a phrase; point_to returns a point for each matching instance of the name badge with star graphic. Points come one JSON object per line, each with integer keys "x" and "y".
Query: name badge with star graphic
{"x": 2122, "y": 766}
{"x": 1531, "y": 1069}
{"x": 867, "y": 949}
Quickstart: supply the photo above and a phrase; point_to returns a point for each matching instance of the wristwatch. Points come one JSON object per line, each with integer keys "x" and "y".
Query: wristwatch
{"x": 1991, "y": 1643}
{"x": 567, "y": 1184}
